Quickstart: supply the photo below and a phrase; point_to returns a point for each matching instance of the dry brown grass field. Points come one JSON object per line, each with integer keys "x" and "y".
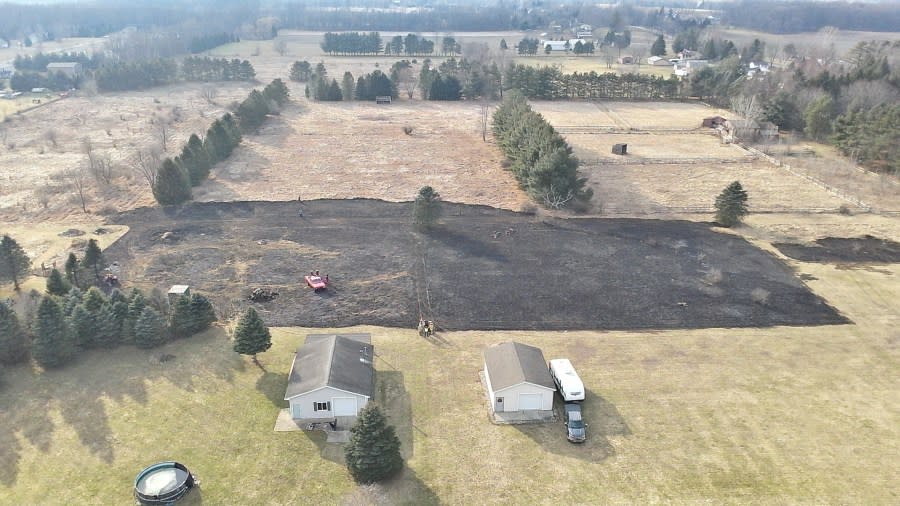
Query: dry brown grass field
{"x": 40, "y": 145}
{"x": 359, "y": 149}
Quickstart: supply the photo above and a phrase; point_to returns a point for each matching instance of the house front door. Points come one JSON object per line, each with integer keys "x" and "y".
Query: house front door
{"x": 498, "y": 405}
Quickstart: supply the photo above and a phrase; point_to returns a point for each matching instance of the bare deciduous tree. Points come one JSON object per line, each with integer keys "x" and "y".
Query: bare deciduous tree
{"x": 409, "y": 80}
{"x": 102, "y": 169}
{"x": 147, "y": 165}
{"x": 87, "y": 147}
{"x": 209, "y": 94}
{"x": 747, "y": 106}
{"x": 556, "y": 200}
{"x": 77, "y": 179}
{"x": 485, "y": 115}
{"x": 51, "y": 136}
{"x": 280, "y": 46}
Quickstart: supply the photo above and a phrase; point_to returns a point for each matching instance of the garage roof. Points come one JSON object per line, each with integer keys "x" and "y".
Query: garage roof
{"x": 342, "y": 361}
{"x": 512, "y": 363}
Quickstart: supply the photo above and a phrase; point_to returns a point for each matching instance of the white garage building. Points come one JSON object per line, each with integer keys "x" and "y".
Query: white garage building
{"x": 332, "y": 378}
{"x": 517, "y": 378}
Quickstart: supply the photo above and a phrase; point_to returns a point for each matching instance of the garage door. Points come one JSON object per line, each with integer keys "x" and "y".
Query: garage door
{"x": 344, "y": 406}
{"x": 529, "y": 401}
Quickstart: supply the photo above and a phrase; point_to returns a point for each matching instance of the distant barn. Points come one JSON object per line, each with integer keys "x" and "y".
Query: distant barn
{"x": 70, "y": 69}
{"x": 713, "y": 121}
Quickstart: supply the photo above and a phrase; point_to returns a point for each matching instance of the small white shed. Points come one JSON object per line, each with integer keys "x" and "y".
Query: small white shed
{"x": 517, "y": 378}
{"x": 332, "y": 377}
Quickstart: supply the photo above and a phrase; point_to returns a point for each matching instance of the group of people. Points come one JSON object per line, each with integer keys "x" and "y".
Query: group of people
{"x": 426, "y": 327}
{"x": 315, "y": 274}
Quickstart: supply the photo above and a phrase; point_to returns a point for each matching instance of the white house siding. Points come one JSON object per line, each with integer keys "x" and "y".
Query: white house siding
{"x": 511, "y": 396}
{"x": 302, "y": 405}
{"x": 487, "y": 379}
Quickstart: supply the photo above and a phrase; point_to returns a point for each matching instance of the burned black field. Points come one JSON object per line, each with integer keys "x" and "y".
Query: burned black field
{"x": 481, "y": 268}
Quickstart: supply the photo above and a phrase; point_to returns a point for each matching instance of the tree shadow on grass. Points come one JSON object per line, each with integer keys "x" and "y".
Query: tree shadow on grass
{"x": 408, "y": 488}
{"x": 79, "y": 393}
{"x": 394, "y": 401}
{"x": 273, "y": 386}
{"x": 603, "y": 421}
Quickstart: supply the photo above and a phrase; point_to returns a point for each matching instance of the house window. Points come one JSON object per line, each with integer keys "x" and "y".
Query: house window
{"x": 321, "y": 406}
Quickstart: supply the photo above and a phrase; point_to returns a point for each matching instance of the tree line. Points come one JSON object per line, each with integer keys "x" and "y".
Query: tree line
{"x": 214, "y": 40}
{"x": 352, "y": 43}
{"x": 172, "y": 183}
{"x": 56, "y": 81}
{"x": 549, "y": 83}
{"x": 367, "y": 87}
{"x": 540, "y": 159}
{"x": 73, "y": 314}
{"x": 39, "y": 61}
{"x": 796, "y": 17}
{"x": 196, "y": 68}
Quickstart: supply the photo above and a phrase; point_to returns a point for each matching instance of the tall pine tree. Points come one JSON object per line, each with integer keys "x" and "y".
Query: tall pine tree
{"x": 53, "y": 344}
{"x": 150, "y": 329}
{"x": 251, "y": 335}
{"x": 56, "y": 284}
{"x": 13, "y": 339}
{"x": 14, "y": 263}
{"x": 203, "y": 313}
{"x": 373, "y": 453}
{"x": 93, "y": 257}
{"x": 731, "y": 205}
{"x": 172, "y": 185}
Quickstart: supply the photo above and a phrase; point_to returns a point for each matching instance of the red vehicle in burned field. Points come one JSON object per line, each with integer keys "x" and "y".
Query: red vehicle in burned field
{"x": 316, "y": 282}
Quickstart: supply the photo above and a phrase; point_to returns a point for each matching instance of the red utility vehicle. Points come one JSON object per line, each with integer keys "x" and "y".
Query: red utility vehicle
{"x": 317, "y": 283}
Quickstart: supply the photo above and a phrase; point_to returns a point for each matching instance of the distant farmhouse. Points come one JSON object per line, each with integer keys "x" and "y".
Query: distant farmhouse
{"x": 658, "y": 61}
{"x": 686, "y": 67}
{"x": 584, "y": 32}
{"x": 560, "y": 45}
{"x": 72, "y": 70}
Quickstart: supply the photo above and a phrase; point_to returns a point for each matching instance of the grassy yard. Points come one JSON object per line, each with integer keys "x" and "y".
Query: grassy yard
{"x": 781, "y": 415}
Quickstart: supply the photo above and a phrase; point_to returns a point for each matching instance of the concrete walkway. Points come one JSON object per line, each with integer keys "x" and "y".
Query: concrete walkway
{"x": 284, "y": 423}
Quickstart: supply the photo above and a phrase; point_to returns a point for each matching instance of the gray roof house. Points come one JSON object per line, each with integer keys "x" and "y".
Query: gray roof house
{"x": 332, "y": 378}
{"x": 69, "y": 69}
{"x": 517, "y": 378}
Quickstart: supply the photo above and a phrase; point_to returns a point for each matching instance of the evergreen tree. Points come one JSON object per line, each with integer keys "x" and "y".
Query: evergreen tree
{"x": 56, "y": 285}
{"x": 659, "y": 47}
{"x": 300, "y": 71}
{"x": 252, "y": 111}
{"x": 53, "y": 344}
{"x": 136, "y": 306}
{"x": 231, "y": 127}
{"x": 82, "y": 326}
{"x": 93, "y": 257}
{"x": 72, "y": 269}
{"x": 109, "y": 331}
{"x": 373, "y": 453}
{"x": 13, "y": 339}
{"x": 426, "y": 208}
{"x": 709, "y": 50}
{"x": 348, "y": 86}
{"x": 731, "y": 205}
{"x": 334, "y": 92}
{"x": 782, "y": 111}
{"x": 251, "y": 336}
{"x": 503, "y": 45}
{"x": 277, "y": 92}
{"x": 73, "y": 298}
{"x": 149, "y": 329}
{"x": 819, "y": 114}
{"x": 195, "y": 160}
{"x": 14, "y": 262}
{"x": 182, "y": 321}
{"x": 203, "y": 313}
{"x": 172, "y": 185}
{"x": 94, "y": 300}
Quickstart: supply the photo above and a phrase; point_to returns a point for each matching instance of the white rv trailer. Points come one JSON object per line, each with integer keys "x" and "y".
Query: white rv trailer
{"x": 567, "y": 381}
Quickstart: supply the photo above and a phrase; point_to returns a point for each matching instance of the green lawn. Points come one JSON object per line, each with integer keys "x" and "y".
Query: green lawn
{"x": 782, "y": 415}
